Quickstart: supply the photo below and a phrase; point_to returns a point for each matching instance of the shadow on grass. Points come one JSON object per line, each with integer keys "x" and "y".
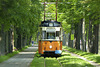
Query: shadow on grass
{"x": 51, "y": 62}
{"x": 69, "y": 61}
{"x": 97, "y": 59}
{"x": 89, "y": 56}
{"x": 76, "y": 65}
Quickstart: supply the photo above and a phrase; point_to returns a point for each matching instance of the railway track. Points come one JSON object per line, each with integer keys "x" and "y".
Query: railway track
{"x": 66, "y": 60}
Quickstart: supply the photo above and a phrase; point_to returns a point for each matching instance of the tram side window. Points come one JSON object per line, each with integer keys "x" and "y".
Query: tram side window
{"x": 57, "y": 34}
{"x": 43, "y": 34}
{"x": 50, "y": 35}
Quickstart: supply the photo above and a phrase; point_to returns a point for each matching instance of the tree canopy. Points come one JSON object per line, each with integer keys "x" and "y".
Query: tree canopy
{"x": 23, "y": 14}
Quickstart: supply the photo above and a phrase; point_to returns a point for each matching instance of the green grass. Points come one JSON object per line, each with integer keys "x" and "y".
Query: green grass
{"x": 23, "y": 48}
{"x": 89, "y": 56}
{"x": 37, "y": 61}
{"x": 70, "y": 61}
{"x": 52, "y": 62}
{"x": 5, "y": 57}
{"x": 66, "y": 60}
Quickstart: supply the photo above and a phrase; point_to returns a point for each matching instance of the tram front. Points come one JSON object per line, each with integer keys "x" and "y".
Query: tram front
{"x": 50, "y": 39}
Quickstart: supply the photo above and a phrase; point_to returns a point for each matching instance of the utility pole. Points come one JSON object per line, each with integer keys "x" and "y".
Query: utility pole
{"x": 44, "y": 10}
{"x": 56, "y": 10}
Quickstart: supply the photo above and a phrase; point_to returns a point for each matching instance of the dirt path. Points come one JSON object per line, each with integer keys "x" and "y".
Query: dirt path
{"x": 91, "y": 62}
{"x": 23, "y": 59}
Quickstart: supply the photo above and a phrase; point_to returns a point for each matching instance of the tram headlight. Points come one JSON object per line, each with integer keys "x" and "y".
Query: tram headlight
{"x": 50, "y": 24}
{"x": 50, "y": 47}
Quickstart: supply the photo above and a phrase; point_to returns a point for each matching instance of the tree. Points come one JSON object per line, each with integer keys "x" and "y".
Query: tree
{"x": 20, "y": 18}
{"x": 78, "y": 13}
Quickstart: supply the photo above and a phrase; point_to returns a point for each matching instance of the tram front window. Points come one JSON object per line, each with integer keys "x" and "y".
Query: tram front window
{"x": 43, "y": 34}
{"x": 50, "y": 35}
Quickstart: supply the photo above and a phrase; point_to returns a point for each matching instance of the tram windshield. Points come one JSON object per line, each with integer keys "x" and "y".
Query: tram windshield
{"x": 50, "y": 35}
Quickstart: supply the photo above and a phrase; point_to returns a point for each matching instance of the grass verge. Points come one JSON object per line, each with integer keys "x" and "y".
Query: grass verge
{"x": 37, "y": 61}
{"x": 89, "y": 56}
{"x": 70, "y": 61}
{"x": 66, "y": 60}
{"x": 5, "y": 57}
{"x": 52, "y": 62}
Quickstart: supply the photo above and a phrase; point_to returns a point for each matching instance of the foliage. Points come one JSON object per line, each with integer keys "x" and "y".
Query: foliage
{"x": 74, "y": 10}
{"x": 24, "y": 15}
{"x": 23, "y": 48}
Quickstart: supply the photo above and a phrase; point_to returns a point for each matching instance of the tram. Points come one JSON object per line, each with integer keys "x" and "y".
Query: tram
{"x": 50, "y": 38}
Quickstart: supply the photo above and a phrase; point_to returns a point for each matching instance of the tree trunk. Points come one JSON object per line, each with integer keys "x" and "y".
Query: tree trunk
{"x": 90, "y": 38}
{"x": 83, "y": 35}
{"x": 6, "y": 41}
{"x": 64, "y": 39}
{"x": 69, "y": 40}
{"x": 77, "y": 36}
{"x": 12, "y": 38}
{"x": 95, "y": 38}
{"x": 2, "y": 41}
{"x": 15, "y": 37}
{"x": 23, "y": 40}
{"x": 18, "y": 39}
{"x": 10, "y": 47}
{"x": 99, "y": 39}
{"x": 86, "y": 39}
{"x": 30, "y": 40}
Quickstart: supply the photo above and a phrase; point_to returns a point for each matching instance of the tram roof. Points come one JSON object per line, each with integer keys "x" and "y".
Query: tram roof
{"x": 46, "y": 23}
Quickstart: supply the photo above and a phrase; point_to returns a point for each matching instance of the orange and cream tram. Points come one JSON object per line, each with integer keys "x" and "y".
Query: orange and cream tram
{"x": 50, "y": 38}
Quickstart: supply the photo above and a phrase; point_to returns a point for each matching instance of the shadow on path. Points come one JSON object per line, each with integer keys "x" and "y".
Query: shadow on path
{"x": 23, "y": 59}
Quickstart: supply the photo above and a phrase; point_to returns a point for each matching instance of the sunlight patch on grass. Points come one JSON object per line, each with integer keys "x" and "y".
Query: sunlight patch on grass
{"x": 71, "y": 61}
{"x": 89, "y": 56}
{"x": 37, "y": 61}
{"x": 52, "y": 62}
